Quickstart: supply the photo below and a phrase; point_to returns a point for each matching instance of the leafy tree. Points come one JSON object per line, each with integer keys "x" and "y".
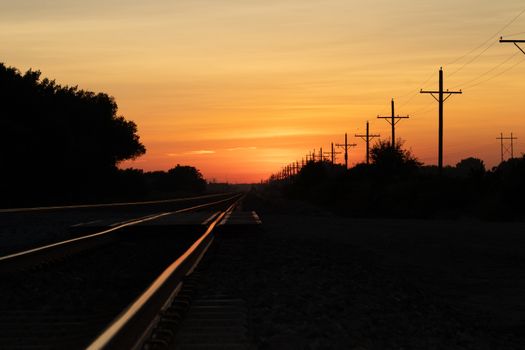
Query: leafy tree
{"x": 393, "y": 160}
{"x": 59, "y": 140}
{"x": 182, "y": 179}
{"x": 470, "y": 167}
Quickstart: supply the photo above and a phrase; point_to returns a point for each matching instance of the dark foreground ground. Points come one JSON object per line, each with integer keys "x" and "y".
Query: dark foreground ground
{"x": 313, "y": 280}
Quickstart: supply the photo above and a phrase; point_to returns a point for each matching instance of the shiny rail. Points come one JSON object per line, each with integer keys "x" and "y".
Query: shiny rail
{"x": 132, "y": 327}
{"x": 108, "y": 205}
{"x": 35, "y": 256}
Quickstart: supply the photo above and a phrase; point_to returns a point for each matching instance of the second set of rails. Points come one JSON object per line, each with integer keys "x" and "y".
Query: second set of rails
{"x": 102, "y": 289}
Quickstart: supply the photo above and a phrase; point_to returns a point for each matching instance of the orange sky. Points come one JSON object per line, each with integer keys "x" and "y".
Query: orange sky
{"x": 239, "y": 88}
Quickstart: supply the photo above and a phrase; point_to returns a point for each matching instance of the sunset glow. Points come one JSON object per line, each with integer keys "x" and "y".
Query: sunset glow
{"x": 239, "y": 88}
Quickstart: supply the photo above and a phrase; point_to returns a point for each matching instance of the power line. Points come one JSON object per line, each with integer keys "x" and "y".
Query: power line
{"x": 415, "y": 93}
{"x": 491, "y": 69}
{"x": 515, "y": 34}
{"x": 489, "y": 39}
{"x": 496, "y": 75}
{"x": 473, "y": 59}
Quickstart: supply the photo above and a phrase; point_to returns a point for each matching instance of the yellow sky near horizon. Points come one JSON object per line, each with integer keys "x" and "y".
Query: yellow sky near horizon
{"x": 239, "y": 88}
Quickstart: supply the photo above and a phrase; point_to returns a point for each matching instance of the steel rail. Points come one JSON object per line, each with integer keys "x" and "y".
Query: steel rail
{"x": 109, "y": 205}
{"x": 131, "y": 328}
{"x": 33, "y": 256}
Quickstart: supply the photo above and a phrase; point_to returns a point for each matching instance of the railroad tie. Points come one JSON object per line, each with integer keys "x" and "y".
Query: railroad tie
{"x": 215, "y": 322}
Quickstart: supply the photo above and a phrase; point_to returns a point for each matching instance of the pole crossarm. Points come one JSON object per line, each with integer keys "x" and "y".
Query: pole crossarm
{"x": 397, "y": 118}
{"x": 370, "y": 137}
{"x": 347, "y": 147}
{"x": 448, "y": 93}
{"x": 515, "y": 42}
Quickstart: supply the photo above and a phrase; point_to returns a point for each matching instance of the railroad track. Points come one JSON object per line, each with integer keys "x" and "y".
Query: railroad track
{"x": 68, "y": 294}
{"x": 25, "y": 228}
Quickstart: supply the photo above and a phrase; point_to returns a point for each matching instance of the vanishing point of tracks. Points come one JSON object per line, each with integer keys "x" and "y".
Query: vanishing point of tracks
{"x": 105, "y": 286}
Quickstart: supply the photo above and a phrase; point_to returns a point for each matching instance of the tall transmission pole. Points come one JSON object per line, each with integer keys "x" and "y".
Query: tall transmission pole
{"x": 393, "y": 120}
{"x": 367, "y": 138}
{"x": 503, "y": 148}
{"x": 346, "y": 146}
{"x": 440, "y": 101}
{"x": 515, "y": 42}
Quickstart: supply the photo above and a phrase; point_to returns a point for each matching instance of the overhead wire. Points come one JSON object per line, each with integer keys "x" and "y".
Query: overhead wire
{"x": 473, "y": 59}
{"x": 489, "y": 71}
{"x": 514, "y": 34}
{"x": 496, "y": 75}
{"x": 489, "y": 39}
{"x": 414, "y": 94}
{"x": 470, "y": 61}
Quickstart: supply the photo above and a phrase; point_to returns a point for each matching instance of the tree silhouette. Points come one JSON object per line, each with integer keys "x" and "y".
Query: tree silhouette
{"x": 470, "y": 167}
{"x": 393, "y": 160}
{"x": 181, "y": 179}
{"x": 59, "y": 140}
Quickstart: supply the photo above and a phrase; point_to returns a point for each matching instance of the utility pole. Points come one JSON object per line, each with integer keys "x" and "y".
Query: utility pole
{"x": 332, "y": 154}
{"x": 440, "y": 101}
{"x": 393, "y": 120}
{"x": 367, "y": 138}
{"x": 346, "y": 147}
{"x": 503, "y": 148}
{"x": 515, "y": 42}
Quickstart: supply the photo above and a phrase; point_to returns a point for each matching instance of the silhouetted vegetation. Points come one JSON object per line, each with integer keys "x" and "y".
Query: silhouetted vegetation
{"x": 62, "y": 144}
{"x": 182, "y": 179}
{"x": 396, "y": 184}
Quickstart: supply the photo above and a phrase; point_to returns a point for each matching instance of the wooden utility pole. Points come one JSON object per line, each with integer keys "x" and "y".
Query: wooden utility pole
{"x": 503, "y": 148}
{"x": 332, "y": 154}
{"x": 515, "y": 42}
{"x": 440, "y": 93}
{"x": 346, "y": 147}
{"x": 393, "y": 120}
{"x": 367, "y": 138}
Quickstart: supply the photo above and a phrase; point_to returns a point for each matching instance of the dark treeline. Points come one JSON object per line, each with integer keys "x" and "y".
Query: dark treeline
{"x": 396, "y": 184}
{"x": 60, "y": 145}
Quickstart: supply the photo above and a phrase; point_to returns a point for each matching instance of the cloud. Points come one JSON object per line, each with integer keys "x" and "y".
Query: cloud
{"x": 201, "y": 151}
{"x": 197, "y": 152}
{"x": 240, "y": 148}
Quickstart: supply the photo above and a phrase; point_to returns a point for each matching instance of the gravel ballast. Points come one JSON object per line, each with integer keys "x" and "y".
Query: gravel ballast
{"x": 314, "y": 280}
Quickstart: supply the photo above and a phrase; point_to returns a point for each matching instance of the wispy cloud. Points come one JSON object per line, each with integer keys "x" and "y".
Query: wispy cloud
{"x": 240, "y": 148}
{"x": 201, "y": 151}
{"x": 197, "y": 152}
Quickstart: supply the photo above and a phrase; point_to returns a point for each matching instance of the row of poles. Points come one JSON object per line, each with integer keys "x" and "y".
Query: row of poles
{"x": 440, "y": 95}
